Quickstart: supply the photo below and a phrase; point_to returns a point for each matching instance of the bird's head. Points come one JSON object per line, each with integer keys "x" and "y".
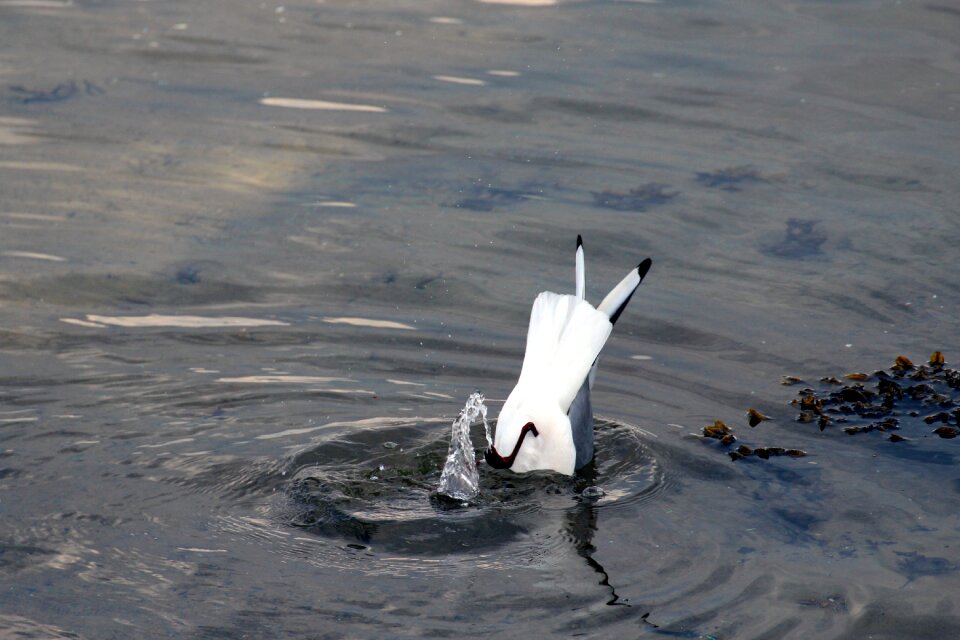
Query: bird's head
{"x": 531, "y": 435}
{"x": 497, "y": 461}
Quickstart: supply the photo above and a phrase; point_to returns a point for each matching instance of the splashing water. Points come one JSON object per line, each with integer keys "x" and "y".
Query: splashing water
{"x": 460, "y": 478}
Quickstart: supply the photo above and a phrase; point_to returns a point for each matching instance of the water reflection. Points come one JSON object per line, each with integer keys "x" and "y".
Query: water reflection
{"x": 323, "y": 105}
{"x": 475, "y": 82}
{"x": 582, "y": 527}
{"x": 32, "y": 255}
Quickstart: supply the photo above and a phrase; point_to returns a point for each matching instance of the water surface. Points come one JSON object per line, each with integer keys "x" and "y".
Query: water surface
{"x": 251, "y": 253}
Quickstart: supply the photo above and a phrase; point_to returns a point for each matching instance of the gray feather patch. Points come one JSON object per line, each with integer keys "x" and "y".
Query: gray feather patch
{"x": 581, "y": 421}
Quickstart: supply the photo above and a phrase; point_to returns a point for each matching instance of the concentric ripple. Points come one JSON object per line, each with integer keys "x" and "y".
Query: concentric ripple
{"x": 372, "y": 494}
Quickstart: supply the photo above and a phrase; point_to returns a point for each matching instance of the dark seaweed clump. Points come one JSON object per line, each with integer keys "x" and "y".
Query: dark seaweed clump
{"x": 764, "y": 453}
{"x": 802, "y": 238}
{"x": 887, "y": 400}
{"x": 730, "y": 179}
{"x": 720, "y": 431}
{"x": 490, "y": 198}
{"x": 59, "y": 93}
{"x": 639, "y": 199}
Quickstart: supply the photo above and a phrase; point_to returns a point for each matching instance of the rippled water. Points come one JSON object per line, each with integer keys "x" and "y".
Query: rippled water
{"x": 255, "y": 257}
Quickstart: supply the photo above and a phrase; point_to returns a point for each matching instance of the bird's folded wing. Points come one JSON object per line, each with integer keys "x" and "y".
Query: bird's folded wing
{"x": 565, "y": 336}
{"x": 616, "y": 301}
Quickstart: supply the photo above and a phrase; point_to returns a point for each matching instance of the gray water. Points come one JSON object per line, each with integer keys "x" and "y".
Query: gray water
{"x": 790, "y": 167}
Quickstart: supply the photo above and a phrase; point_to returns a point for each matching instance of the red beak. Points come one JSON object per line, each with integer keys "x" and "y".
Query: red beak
{"x": 497, "y": 461}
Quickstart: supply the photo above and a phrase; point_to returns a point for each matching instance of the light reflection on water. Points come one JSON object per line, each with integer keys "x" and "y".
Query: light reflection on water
{"x": 251, "y": 253}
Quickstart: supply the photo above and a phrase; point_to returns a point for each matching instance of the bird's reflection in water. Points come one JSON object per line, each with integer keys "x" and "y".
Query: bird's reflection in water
{"x": 581, "y": 527}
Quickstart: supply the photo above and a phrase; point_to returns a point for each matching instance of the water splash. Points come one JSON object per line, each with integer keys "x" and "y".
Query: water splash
{"x": 460, "y": 479}
{"x": 486, "y": 425}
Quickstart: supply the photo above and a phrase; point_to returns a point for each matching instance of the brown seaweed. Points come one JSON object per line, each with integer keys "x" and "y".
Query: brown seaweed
{"x": 717, "y": 430}
{"x": 754, "y": 417}
{"x": 765, "y": 453}
{"x": 902, "y": 363}
{"x": 880, "y": 402}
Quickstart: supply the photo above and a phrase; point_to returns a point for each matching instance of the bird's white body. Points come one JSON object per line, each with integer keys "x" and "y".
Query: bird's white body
{"x": 564, "y": 340}
{"x": 565, "y": 337}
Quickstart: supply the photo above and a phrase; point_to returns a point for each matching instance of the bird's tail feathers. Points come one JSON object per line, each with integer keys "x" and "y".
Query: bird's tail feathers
{"x": 565, "y": 336}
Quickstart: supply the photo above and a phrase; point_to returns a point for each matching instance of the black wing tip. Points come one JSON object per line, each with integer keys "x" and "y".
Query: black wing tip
{"x": 643, "y": 267}
{"x": 616, "y": 314}
{"x": 579, "y": 241}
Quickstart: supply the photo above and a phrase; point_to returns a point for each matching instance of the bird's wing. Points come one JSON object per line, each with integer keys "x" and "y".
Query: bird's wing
{"x": 581, "y": 423}
{"x": 581, "y": 271}
{"x": 581, "y": 281}
{"x": 564, "y": 339}
{"x": 616, "y": 301}
{"x": 581, "y": 410}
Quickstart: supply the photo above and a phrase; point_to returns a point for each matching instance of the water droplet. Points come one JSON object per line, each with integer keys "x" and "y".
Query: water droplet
{"x": 593, "y": 492}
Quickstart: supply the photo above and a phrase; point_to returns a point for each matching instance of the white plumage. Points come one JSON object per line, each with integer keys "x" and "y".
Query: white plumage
{"x": 564, "y": 339}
